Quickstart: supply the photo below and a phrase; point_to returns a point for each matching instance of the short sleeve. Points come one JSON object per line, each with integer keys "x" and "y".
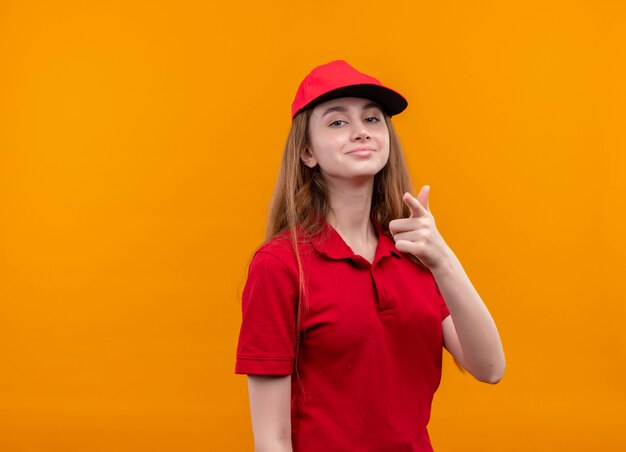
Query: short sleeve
{"x": 267, "y": 335}
{"x": 443, "y": 307}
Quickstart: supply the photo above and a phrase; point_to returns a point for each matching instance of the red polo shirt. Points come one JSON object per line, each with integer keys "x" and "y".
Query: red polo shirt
{"x": 369, "y": 359}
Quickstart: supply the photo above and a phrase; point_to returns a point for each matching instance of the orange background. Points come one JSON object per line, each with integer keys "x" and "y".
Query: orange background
{"x": 139, "y": 146}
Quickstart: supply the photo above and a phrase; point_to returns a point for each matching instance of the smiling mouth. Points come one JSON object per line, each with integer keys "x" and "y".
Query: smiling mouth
{"x": 361, "y": 151}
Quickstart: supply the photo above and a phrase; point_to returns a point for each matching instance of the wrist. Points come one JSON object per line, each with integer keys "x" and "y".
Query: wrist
{"x": 446, "y": 264}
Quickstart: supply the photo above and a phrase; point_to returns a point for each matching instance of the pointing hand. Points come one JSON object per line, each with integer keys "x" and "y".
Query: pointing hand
{"x": 418, "y": 234}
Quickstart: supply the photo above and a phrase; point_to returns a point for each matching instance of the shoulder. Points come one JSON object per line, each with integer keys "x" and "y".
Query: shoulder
{"x": 272, "y": 269}
{"x": 276, "y": 252}
{"x": 282, "y": 246}
{"x": 281, "y": 243}
{"x": 279, "y": 247}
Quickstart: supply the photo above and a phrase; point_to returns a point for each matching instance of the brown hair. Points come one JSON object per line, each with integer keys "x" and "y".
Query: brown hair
{"x": 300, "y": 200}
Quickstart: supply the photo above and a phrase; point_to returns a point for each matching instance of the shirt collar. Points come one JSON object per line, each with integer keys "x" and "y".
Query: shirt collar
{"x": 329, "y": 243}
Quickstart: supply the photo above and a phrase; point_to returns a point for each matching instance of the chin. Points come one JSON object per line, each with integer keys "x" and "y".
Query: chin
{"x": 363, "y": 175}
{"x": 371, "y": 172}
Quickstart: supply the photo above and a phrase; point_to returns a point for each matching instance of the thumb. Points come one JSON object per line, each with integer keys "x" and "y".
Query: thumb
{"x": 417, "y": 210}
{"x": 422, "y": 197}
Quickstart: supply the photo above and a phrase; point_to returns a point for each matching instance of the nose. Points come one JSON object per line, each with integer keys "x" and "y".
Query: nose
{"x": 360, "y": 133}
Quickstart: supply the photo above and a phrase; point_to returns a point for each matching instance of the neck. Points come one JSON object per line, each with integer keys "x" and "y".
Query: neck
{"x": 350, "y": 209}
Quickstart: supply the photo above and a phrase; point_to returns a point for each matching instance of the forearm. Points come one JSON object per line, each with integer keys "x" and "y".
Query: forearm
{"x": 483, "y": 355}
{"x": 270, "y": 410}
{"x": 273, "y": 446}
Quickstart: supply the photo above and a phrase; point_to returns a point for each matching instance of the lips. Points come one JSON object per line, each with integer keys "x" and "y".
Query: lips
{"x": 360, "y": 150}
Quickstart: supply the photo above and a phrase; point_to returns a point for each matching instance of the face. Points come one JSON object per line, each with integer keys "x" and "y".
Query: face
{"x": 348, "y": 137}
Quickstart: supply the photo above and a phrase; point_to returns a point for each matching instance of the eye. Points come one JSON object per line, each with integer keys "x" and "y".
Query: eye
{"x": 336, "y": 121}
{"x": 372, "y": 117}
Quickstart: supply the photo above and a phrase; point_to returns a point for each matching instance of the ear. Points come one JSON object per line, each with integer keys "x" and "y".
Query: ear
{"x": 308, "y": 158}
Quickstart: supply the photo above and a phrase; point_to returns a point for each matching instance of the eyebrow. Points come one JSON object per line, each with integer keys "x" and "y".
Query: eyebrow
{"x": 343, "y": 109}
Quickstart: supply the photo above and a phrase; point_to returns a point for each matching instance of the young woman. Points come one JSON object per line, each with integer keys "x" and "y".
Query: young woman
{"x": 354, "y": 293}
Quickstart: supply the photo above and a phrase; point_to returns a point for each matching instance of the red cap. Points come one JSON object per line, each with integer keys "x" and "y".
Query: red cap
{"x": 338, "y": 79}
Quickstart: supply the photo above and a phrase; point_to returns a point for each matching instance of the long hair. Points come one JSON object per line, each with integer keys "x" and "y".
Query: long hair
{"x": 300, "y": 202}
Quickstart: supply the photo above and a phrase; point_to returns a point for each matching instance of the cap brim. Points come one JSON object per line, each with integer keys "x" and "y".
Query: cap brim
{"x": 390, "y": 101}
